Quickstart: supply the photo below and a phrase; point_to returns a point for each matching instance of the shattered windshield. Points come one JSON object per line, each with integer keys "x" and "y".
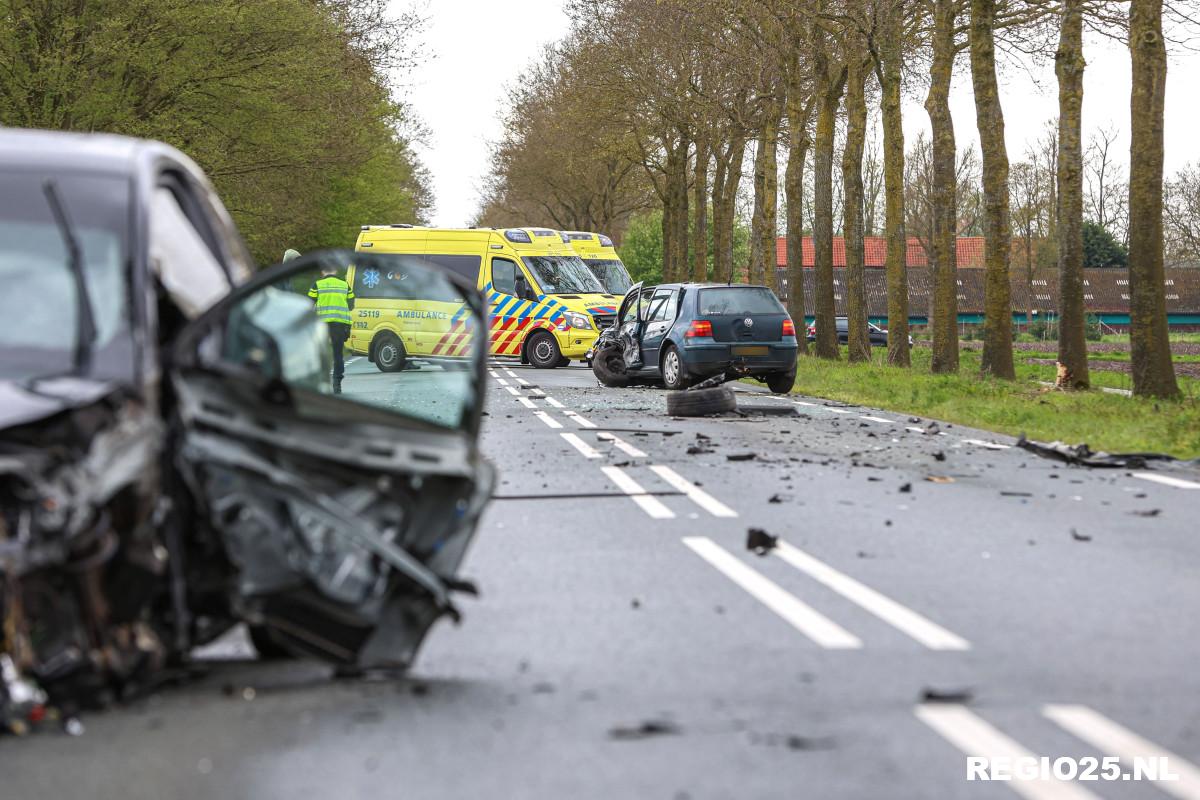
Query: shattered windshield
{"x": 611, "y": 273}
{"x": 35, "y": 268}
{"x": 563, "y": 275}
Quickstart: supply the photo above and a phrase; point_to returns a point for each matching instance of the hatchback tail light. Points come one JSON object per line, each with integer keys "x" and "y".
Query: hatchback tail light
{"x": 699, "y": 327}
{"x": 789, "y": 328}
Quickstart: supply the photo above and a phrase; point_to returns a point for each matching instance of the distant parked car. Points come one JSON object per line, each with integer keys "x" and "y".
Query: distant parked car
{"x": 877, "y": 335}
{"x": 688, "y": 332}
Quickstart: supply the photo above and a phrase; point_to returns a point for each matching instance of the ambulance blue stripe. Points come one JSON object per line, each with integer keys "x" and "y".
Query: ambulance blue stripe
{"x": 507, "y": 301}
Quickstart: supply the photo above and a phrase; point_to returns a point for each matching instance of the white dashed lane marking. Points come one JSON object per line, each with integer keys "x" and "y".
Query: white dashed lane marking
{"x": 550, "y": 421}
{"x": 554, "y": 402}
{"x": 648, "y": 503}
{"x": 1112, "y": 739}
{"x": 578, "y": 420}
{"x": 973, "y": 736}
{"x": 900, "y": 617}
{"x": 822, "y": 630}
{"x": 586, "y": 450}
{"x": 693, "y": 492}
{"x": 525, "y": 401}
{"x": 512, "y": 391}
{"x": 621, "y": 445}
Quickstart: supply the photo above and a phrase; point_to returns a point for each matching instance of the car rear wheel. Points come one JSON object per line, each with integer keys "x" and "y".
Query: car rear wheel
{"x": 390, "y": 355}
{"x": 543, "y": 351}
{"x": 781, "y": 382}
{"x": 701, "y": 402}
{"x": 608, "y": 365}
{"x": 674, "y": 374}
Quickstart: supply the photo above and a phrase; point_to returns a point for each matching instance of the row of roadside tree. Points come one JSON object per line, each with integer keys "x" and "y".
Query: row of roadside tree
{"x": 664, "y": 104}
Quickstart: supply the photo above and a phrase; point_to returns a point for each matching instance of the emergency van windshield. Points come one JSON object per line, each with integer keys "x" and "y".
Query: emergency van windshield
{"x": 563, "y": 275}
{"x": 611, "y": 273}
{"x": 38, "y": 336}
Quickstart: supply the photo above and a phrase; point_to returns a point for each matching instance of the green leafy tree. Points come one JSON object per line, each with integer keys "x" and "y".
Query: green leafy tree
{"x": 284, "y": 103}
{"x": 1101, "y": 248}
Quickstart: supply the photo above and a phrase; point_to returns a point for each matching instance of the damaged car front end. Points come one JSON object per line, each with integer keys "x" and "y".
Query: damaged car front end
{"x": 173, "y": 459}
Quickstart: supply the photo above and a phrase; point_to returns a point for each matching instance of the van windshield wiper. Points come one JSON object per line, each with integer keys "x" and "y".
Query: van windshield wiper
{"x": 85, "y": 331}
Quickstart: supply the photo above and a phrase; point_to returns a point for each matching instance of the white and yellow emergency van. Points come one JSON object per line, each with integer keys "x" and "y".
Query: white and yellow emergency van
{"x": 546, "y": 307}
{"x": 601, "y": 258}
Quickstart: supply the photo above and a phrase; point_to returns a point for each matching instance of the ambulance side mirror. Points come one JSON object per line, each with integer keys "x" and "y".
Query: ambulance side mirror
{"x": 523, "y": 290}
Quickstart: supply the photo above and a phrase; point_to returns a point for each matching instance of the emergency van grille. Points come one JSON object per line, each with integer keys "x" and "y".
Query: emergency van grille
{"x": 604, "y": 320}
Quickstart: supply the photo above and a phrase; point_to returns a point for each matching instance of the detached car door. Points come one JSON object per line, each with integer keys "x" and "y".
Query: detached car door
{"x": 343, "y": 518}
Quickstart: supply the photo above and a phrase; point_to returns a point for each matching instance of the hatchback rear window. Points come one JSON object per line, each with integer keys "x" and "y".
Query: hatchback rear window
{"x": 739, "y": 300}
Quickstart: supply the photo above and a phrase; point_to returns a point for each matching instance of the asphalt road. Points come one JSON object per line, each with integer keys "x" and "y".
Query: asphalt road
{"x": 935, "y": 593}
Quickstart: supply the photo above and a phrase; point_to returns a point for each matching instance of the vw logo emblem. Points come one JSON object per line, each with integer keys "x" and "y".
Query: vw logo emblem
{"x": 749, "y": 322}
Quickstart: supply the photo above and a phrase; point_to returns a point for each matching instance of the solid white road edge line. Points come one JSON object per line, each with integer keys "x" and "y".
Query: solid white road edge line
{"x": 579, "y": 444}
{"x": 1112, "y": 739}
{"x": 880, "y": 419}
{"x": 988, "y": 445}
{"x": 648, "y": 503}
{"x": 815, "y": 626}
{"x": 546, "y": 418}
{"x": 694, "y": 493}
{"x": 621, "y": 444}
{"x": 1166, "y": 480}
{"x": 928, "y": 633}
{"x": 975, "y": 737}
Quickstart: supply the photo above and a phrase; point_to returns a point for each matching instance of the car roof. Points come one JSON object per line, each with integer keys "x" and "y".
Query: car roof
{"x": 83, "y": 152}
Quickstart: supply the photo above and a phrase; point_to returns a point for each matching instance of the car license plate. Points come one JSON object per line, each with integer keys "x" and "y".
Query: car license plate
{"x": 750, "y": 351}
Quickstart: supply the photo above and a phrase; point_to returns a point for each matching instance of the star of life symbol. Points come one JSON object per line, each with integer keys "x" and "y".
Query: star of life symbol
{"x": 370, "y": 278}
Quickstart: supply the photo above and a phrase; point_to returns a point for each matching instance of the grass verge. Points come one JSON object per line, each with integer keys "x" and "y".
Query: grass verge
{"x": 1105, "y": 421}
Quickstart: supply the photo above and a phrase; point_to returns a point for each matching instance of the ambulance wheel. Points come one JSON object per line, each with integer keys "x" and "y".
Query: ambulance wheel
{"x": 390, "y": 355}
{"x": 543, "y": 351}
{"x": 564, "y": 362}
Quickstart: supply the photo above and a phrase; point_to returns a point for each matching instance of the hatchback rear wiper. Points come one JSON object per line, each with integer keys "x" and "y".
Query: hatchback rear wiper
{"x": 85, "y": 331}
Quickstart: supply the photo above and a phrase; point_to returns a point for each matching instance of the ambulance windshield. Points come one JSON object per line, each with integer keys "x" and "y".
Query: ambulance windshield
{"x": 563, "y": 275}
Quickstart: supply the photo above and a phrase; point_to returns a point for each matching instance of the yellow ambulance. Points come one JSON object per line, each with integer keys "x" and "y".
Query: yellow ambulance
{"x": 547, "y": 308}
{"x": 601, "y": 257}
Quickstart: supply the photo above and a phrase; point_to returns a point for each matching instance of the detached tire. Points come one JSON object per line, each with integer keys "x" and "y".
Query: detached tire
{"x": 608, "y": 365}
{"x": 701, "y": 402}
{"x": 543, "y": 351}
{"x": 781, "y": 382}
{"x": 390, "y": 355}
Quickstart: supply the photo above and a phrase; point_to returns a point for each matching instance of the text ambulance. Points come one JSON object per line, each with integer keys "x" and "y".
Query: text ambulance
{"x": 546, "y": 307}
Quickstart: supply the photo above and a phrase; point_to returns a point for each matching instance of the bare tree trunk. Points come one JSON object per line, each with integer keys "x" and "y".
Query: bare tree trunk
{"x": 1150, "y": 353}
{"x": 889, "y": 71}
{"x": 945, "y": 207}
{"x": 989, "y": 114}
{"x": 770, "y": 220}
{"x": 1069, "y": 65}
{"x": 757, "y": 220}
{"x": 852, "y": 205}
{"x": 700, "y": 203}
{"x": 799, "y": 110}
{"x": 682, "y": 218}
{"x": 726, "y": 180}
{"x": 830, "y": 89}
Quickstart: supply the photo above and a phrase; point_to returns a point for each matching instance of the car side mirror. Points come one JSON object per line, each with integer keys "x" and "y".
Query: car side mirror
{"x": 522, "y": 289}
{"x": 279, "y": 335}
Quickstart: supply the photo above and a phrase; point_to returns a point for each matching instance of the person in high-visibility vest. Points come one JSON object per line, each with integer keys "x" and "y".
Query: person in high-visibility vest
{"x": 335, "y": 299}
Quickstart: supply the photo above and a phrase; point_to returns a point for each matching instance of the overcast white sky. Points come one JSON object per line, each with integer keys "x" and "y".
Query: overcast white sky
{"x": 480, "y": 46}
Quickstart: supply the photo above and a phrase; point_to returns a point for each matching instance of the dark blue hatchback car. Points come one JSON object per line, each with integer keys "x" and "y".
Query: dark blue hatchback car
{"x": 682, "y": 333}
